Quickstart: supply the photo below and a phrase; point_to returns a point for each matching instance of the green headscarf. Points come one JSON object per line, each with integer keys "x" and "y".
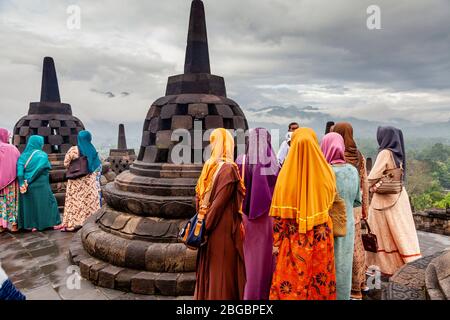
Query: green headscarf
{"x": 88, "y": 150}
{"x": 38, "y": 162}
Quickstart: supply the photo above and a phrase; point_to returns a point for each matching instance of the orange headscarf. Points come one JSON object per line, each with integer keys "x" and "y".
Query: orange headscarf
{"x": 306, "y": 185}
{"x": 222, "y": 150}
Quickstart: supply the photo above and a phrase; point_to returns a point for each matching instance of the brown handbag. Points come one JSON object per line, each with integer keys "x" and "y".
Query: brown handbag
{"x": 338, "y": 214}
{"x": 78, "y": 168}
{"x": 369, "y": 239}
{"x": 391, "y": 182}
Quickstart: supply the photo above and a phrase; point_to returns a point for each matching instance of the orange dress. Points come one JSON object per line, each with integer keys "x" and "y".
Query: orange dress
{"x": 305, "y": 268}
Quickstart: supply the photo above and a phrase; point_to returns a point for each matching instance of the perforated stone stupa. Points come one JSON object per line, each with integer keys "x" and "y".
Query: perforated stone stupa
{"x": 55, "y": 122}
{"x": 131, "y": 244}
{"x": 121, "y": 158}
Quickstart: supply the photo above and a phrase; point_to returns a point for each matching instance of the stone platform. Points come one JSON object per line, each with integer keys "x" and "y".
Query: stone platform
{"x": 38, "y": 265}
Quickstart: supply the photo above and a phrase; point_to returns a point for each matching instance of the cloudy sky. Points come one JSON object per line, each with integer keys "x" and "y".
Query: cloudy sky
{"x": 271, "y": 52}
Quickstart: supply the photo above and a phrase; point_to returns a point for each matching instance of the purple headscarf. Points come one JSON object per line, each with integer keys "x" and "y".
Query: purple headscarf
{"x": 8, "y": 160}
{"x": 333, "y": 148}
{"x": 392, "y": 139}
{"x": 261, "y": 171}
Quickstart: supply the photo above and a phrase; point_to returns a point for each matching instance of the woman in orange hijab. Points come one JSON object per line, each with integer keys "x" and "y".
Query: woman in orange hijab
{"x": 220, "y": 262}
{"x": 303, "y": 231}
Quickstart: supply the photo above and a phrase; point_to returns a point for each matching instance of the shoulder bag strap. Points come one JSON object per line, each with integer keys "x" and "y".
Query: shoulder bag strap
{"x": 29, "y": 159}
{"x": 208, "y": 194}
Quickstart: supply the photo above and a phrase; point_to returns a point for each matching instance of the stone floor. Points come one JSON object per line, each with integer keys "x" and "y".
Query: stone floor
{"x": 38, "y": 265}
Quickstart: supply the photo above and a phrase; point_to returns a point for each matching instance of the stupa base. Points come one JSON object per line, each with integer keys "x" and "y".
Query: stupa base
{"x": 128, "y": 264}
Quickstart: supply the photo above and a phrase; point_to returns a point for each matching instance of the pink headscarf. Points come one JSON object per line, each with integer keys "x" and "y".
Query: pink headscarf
{"x": 8, "y": 160}
{"x": 333, "y": 148}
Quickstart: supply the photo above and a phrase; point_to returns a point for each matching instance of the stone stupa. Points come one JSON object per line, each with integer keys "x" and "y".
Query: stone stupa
{"x": 132, "y": 243}
{"x": 55, "y": 122}
{"x": 121, "y": 158}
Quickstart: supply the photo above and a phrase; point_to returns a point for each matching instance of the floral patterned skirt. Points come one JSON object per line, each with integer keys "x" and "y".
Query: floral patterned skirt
{"x": 9, "y": 205}
{"x": 305, "y": 267}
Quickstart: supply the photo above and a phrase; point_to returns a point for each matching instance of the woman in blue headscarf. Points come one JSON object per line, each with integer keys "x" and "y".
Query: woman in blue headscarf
{"x": 38, "y": 208}
{"x": 82, "y": 194}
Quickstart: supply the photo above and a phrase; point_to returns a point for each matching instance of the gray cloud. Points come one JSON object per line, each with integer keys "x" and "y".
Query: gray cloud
{"x": 271, "y": 52}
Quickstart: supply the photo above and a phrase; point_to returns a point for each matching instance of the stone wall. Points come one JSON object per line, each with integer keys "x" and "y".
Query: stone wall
{"x": 433, "y": 220}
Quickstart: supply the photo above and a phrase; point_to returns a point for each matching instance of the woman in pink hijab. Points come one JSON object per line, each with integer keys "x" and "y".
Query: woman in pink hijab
{"x": 9, "y": 190}
{"x": 347, "y": 182}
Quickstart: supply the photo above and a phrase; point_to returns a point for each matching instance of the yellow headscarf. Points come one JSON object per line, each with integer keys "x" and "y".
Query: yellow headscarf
{"x": 306, "y": 185}
{"x": 222, "y": 150}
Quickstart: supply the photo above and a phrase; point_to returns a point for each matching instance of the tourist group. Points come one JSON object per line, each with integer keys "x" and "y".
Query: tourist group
{"x": 286, "y": 226}
{"x": 289, "y": 226}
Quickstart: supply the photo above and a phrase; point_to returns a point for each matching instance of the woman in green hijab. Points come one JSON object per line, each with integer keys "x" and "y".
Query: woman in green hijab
{"x": 38, "y": 208}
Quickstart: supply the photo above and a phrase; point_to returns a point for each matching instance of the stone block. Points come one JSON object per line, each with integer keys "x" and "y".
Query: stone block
{"x": 131, "y": 225}
{"x": 163, "y": 139}
{"x": 71, "y": 124}
{"x": 85, "y": 266}
{"x": 154, "y": 111}
{"x": 135, "y": 254}
{"x": 44, "y": 131}
{"x": 150, "y": 154}
{"x": 155, "y": 256}
{"x": 64, "y": 131}
{"x": 212, "y": 122}
{"x": 107, "y": 276}
{"x": 54, "y": 123}
{"x": 198, "y": 110}
{"x": 166, "y": 284}
{"x": 239, "y": 122}
{"x": 120, "y": 222}
{"x": 168, "y": 111}
{"x": 73, "y": 139}
{"x": 224, "y": 110}
{"x": 94, "y": 270}
{"x": 35, "y": 124}
{"x": 186, "y": 284}
{"x": 55, "y": 140}
{"x": 24, "y": 131}
{"x": 123, "y": 279}
{"x": 175, "y": 255}
{"x": 144, "y": 282}
{"x": 182, "y": 122}
{"x": 154, "y": 125}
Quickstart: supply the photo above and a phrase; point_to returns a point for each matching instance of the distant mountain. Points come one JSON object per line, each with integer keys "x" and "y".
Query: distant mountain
{"x": 277, "y": 117}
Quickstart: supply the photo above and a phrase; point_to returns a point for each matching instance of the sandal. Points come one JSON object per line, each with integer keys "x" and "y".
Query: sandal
{"x": 34, "y": 230}
{"x": 67, "y": 229}
{"x": 14, "y": 228}
{"x": 59, "y": 227}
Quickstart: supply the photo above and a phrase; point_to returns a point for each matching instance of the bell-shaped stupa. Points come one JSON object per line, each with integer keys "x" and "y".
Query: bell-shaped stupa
{"x": 121, "y": 158}
{"x": 132, "y": 243}
{"x": 54, "y": 121}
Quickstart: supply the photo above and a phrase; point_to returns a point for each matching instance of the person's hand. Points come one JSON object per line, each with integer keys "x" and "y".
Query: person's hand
{"x": 275, "y": 251}
{"x": 24, "y": 187}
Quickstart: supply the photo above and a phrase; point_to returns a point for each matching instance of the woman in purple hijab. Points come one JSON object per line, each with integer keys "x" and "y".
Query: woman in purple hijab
{"x": 260, "y": 175}
{"x": 9, "y": 194}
